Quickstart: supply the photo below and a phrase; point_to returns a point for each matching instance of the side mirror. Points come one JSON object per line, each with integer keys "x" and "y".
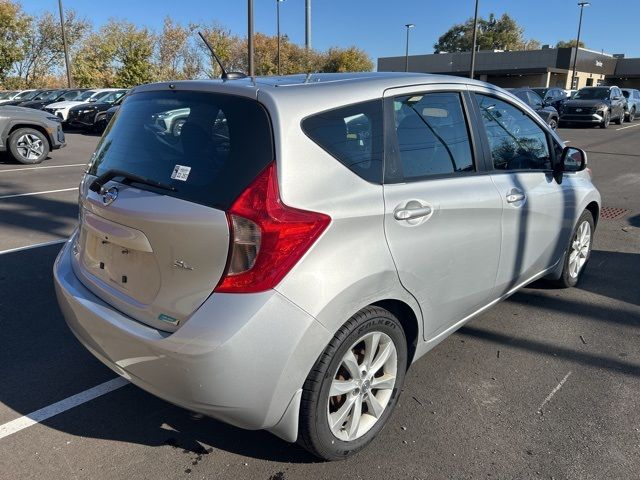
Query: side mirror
{"x": 572, "y": 160}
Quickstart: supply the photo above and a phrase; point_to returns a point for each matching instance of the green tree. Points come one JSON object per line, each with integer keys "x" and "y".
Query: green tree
{"x": 93, "y": 62}
{"x": 44, "y": 51}
{"x": 118, "y": 55}
{"x": 14, "y": 25}
{"x": 177, "y": 57}
{"x": 351, "y": 59}
{"x": 569, "y": 43}
{"x": 502, "y": 33}
{"x": 133, "y": 53}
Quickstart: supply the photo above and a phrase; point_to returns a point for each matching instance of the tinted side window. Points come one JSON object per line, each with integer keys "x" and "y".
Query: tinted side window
{"x": 432, "y": 133}
{"x": 515, "y": 140}
{"x": 353, "y": 135}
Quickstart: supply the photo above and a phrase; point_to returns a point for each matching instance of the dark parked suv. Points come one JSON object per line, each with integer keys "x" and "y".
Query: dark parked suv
{"x": 595, "y": 106}
{"x": 553, "y": 96}
{"x": 547, "y": 112}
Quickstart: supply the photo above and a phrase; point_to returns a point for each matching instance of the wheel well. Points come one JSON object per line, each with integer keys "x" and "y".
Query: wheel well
{"x": 42, "y": 130}
{"x": 409, "y": 322}
{"x": 595, "y": 211}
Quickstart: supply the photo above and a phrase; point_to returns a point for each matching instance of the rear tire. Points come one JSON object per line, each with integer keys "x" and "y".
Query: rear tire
{"x": 578, "y": 251}
{"x": 553, "y": 123}
{"x": 620, "y": 119}
{"x": 28, "y": 146}
{"x": 369, "y": 350}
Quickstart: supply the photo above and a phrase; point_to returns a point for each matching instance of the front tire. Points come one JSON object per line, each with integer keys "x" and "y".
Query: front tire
{"x": 578, "y": 251}
{"x": 354, "y": 386}
{"x": 28, "y": 146}
{"x": 606, "y": 120}
{"x": 632, "y": 114}
{"x": 553, "y": 123}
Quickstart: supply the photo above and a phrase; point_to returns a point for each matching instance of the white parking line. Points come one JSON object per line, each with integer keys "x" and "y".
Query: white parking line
{"x": 39, "y": 193}
{"x": 628, "y": 126}
{"x": 68, "y": 403}
{"x": 550, "y": 396}
{"x": 29, "y": 247}
{"x": 43, "y": 168}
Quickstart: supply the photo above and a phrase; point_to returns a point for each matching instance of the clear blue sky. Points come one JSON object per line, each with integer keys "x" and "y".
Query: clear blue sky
{"x": 377, "y": 26}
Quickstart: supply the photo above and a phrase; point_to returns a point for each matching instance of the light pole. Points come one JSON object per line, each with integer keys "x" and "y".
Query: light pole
{"x": 575, "y": 57}
{"x": 475, "y": 39}
{"x": 406, "y": 50}
{"x": 307, "y": 24}
{"x": 252, "y": 70}
{"x": 64, "y": 44}
{"x": 278, "y": 2}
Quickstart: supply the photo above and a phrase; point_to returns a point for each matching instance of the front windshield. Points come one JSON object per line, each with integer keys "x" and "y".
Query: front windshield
{"x": 52, "y": 95}
{"x": 86, "y": 95}
{"x": 26, "y": 95}
{"x": 42, "y": 95}
{"x": 592, "y": 94}
{"x": 5, "y": 95}
{"x": 541, "y": 91}
{"x": 111, "y": 97}
{"x": 625, "y": 93}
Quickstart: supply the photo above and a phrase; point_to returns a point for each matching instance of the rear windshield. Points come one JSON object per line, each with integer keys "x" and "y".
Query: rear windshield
{"x": 207, "y": 146}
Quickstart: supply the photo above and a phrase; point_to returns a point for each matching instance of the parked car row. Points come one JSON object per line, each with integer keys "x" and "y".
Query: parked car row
{"x": 86, "y": 106}
{"x": 597, "y": 106}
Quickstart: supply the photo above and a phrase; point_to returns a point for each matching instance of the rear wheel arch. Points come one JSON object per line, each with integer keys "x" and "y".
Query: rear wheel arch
{"x": 409, "y": 321}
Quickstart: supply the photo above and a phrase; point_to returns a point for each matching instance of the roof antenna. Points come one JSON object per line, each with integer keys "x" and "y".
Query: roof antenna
{"x": 225, "y": 75}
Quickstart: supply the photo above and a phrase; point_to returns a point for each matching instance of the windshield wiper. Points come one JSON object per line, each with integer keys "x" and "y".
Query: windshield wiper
{"x": 98, "y": 183}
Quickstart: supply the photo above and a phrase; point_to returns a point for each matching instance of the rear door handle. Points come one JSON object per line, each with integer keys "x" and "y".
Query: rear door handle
{"x": 515, "y": 195}
{"x": 411, "y": 213}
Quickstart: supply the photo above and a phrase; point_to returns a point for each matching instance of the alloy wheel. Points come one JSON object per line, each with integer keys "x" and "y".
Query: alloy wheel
{"x": 30, "y": 146}
{"x": 579, "y": 249}
{"x": 362, "y": 386}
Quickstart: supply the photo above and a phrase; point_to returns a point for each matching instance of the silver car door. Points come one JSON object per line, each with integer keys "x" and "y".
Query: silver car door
{"x": 442, "y": 213}
{"x": 533, "y": 202}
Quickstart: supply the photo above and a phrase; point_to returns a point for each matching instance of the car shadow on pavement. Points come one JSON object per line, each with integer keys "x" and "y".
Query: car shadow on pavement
{"x": 6, "y": 159}
{"x": 38, "y": 214}
{"x": 634, "y": 221}
{"x": 609, "y": 274}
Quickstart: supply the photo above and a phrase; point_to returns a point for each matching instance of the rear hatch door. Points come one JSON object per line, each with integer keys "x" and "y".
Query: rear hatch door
{"x": 154, "y": 238}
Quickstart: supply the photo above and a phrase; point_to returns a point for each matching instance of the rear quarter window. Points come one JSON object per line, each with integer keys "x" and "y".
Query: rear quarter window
{"x": 208, "y": 146}
{"x": 352, "y": 135}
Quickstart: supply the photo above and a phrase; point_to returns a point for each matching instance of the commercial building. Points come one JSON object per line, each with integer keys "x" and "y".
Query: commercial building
{"x": 547, "y": 67}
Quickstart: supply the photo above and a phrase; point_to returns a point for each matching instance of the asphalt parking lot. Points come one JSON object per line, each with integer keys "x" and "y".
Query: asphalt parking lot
{"x": 544, "y": 385}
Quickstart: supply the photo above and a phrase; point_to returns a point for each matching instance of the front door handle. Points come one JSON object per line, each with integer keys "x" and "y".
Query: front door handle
{"x": 515, "y": 195}
{"x": 411, "y": 213}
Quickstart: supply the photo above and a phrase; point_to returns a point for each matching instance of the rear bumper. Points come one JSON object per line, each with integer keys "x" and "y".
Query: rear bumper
{"x": 241, "y": 359}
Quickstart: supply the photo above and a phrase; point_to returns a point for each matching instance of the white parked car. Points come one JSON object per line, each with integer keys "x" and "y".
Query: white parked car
{"x": 14, "y": 95}
{"x": 61, "y": 109}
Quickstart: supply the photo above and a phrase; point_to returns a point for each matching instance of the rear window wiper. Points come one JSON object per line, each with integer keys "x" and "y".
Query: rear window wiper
{"x": 98, "y": 183}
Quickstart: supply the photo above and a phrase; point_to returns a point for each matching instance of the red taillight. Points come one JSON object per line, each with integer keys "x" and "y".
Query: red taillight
{"x": 267, "y": 237}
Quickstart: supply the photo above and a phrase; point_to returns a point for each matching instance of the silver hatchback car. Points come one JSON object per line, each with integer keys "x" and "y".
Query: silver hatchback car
{"x": 281, "y": 259}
